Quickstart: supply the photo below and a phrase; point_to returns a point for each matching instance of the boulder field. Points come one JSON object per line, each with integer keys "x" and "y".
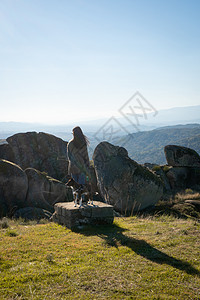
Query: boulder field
{"x": 30, "y": 188}
{"x": 33, "y": 173}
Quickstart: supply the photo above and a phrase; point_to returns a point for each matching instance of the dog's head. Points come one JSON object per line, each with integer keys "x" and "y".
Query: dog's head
{"x": 71, "y": 182}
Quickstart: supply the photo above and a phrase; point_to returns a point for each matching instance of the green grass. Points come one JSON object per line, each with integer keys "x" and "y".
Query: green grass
{"x": 135, "y": 258}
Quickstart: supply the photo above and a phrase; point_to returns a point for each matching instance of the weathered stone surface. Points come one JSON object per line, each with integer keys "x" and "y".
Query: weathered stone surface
{"x": 94, "y": 187}
{"x": 6, "y": 152}
{"x": 44, "y": 191}
{"x": 174, "y": 178}
{"x": 178, "y": 156}
{"x": 194, "y": 177}
{"x": 70, "y": 216}
{"x": 164, "y": 179}
{"x": 13, "y": 187}
{"x": 161, "y": 172}
{"x": 122, "y": 182}
{"x": 178, "y": 177}
{"x": 32, "y": 213}
{"x": 41, "y": 151}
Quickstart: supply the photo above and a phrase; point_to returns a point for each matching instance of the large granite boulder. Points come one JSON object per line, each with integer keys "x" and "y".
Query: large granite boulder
{"x": 44, "y": 191}
{"x": 13, "y": 187}
{"x": 178, "y": 156}
{"x": 124, "y": 183}
{"x": 41, "y": 151}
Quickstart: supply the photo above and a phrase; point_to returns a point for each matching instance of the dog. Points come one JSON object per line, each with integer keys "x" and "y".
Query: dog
{"x": 82, "y": 193}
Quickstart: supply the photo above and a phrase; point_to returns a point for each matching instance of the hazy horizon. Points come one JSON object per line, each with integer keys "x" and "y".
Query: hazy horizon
{"x": 196, "y": 109}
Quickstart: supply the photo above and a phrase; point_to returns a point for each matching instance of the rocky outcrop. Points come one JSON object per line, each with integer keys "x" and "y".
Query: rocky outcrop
{"x": 6, "y": 152}
{"x": 184, "y": 165}
{"x": 178, "y": 177}
{"x": 30, "y": 188}
{"x": 122, "y": 182}
{"x": 45, "y": 191}
{"x": 41, "y": 151}
{"x": 13, "y": 187}
{"x": 183, "y": 177}
{"x": 178, "y": 156}
{"x": 161, "y": 172}
{"x": 32, "y": 213}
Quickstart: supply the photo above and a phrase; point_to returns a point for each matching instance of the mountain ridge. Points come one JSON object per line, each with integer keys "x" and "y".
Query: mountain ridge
{"x": 148, "y": 146}
{"x": 165, "y": 117}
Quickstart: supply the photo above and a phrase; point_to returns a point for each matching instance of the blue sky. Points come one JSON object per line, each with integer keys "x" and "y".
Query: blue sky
{"x": 63, "y": 61}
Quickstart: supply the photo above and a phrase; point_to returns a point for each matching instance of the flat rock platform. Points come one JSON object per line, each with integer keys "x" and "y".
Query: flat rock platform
{"x": 70, "y": 216}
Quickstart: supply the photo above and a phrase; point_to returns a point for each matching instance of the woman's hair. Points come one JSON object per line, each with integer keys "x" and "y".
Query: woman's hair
{"x": 79, "y": 138}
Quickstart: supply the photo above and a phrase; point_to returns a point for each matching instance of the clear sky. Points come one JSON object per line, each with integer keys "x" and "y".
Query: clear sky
{"x": 63, "y": 61}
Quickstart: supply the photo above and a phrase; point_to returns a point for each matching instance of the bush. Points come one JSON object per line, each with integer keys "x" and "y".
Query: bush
{"x": 156, "y": 168}
{"x": 189, "y": 191}
{"x": 166, "y": 169}
{"x": 91, "y": 163}
{"x": 4, "y": 223}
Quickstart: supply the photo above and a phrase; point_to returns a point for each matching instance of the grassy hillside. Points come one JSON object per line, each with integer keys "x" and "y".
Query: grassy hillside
{"x": 148, "y": 146}
{"x": 136, "y": 258}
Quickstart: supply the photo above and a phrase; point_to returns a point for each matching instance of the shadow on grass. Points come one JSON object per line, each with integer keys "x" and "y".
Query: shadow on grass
{"x": 113, "y": 236}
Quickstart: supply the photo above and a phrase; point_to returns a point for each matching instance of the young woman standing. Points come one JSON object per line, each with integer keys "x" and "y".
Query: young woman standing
{"x": 79, "y": 166}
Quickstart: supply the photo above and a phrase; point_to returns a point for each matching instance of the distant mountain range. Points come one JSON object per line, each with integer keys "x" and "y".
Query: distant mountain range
{"x": 148, "y": 146}
{"x": 176, "y": 115}
{"x": 178, "y": 126}
{"x": 167, "y": 117}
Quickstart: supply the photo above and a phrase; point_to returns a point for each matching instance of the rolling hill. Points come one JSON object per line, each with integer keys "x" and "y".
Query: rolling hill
{"x": 142, "y": 146}
{"x": 147, "y": 146}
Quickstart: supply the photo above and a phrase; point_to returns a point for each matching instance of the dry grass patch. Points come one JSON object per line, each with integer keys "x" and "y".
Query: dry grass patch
{"x": 187, "y": 195}
{"x": 183, "y": 205}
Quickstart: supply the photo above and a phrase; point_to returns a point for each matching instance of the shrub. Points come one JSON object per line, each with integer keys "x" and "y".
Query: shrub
{"x": 91, "y": 163}
{"x": 4, "y": 223}
{"x": 156, "y": 168}
{"x": 166, "y": 169}
{"x": 189, "y": 191}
